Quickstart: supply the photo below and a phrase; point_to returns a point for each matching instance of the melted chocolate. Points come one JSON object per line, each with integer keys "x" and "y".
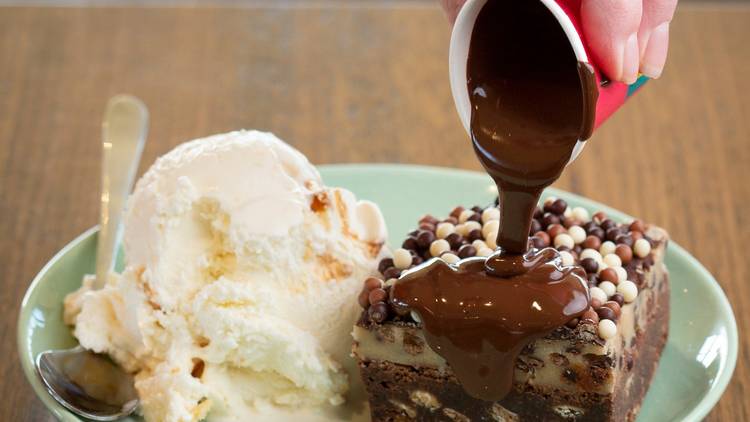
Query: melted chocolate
{"x": 531, "y": 103}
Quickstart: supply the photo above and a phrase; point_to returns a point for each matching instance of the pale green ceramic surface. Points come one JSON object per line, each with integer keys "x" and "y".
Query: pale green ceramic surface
{"x": 694, "y": 371}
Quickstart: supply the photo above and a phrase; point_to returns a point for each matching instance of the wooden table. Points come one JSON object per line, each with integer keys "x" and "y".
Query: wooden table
{"x": 363, "y": 84}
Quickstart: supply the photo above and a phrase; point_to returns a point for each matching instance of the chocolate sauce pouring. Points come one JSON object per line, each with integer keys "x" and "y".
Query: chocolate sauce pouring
{"x": 531, "y": 102}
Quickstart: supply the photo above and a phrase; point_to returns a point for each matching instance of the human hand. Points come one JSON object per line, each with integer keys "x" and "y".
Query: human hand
{"x": 625, "y": 36}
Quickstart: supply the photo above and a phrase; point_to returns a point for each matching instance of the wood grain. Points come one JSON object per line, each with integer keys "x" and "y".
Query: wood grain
{"x": 346, "y": 85}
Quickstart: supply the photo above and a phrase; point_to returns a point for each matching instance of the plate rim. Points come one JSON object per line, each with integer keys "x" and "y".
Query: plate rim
{"x": 701, "y": 409}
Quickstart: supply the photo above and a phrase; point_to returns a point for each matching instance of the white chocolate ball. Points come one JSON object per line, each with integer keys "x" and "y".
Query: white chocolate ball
{"x": 642, "y": 248}
{"x": 478, "y": 244}
{"x": 581, "y": 214}
{"x": 471, "y": 226}
{"x": 450, "y": 258}
{"x": 485, "y": 252}
{"x": 564, "y": 239}
{"x": 612, "y": 260}
{"x": 567, "y": 258}
{"x": 608, "y": 288}
{"x": 491, "y": 240}
{"x": 568, "y": 213}
{"x": 489, "y": 227}
{"x": 597, "y": 293}
{"x": 607, "y": 329}
{"x": 444, "y": 229}
{"x": 464, "y": 216}
{"x": 550, "y": 200}
{"x": 622, "y": 274}
{"x": 591, "y": 253}
{"x": 607, "y": 248}
{"x": 577, "y": 233}
{"x": 628, "y": 290}
{"x": 490, "y": 214}
{"x": 462, "y": 230}
{"x": 401, "y": 259}
{"x": 439, "y": 246}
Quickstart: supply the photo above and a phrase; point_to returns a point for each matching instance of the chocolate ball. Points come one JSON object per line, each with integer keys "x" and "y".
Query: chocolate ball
{"x": 555, "y": 230}
{"x": 606, "y": 313}
{"x": 618, "y": 298}
{"x": 590, "y": 317}
{"x": 378, "y": 312}
{"x": 363, "y": 298}
{"x": 377, "y": 295}
{"x": 637, "y": 226}
{"x": 608, "y": 224}
{"x": 535, "y": 226}
{"x": 544, "y": 239}
{"x": 613, "y": 233}
{"x": 410, "y": 243}
{"x": 614, "y": 306}
{"x": 624, "y": 239}
{"x": 608, "y": 274}
{"x": 454, "y": 240}
{"x": 392, "y": 272}
{"x": 427, "y": 226}
{"x": 590, "y": 265}
{"x": 598, "y": 232}
{"x": 625, "y": 253}
{"x": 599, "y": 216}
{"x": 550, "y": 219}
{"x": 475, "y": 234}
{"x": 558, "y": 207}
{"x": 373, "y": 283}
{"x": 467, "y": 251}
{"x": 457, "y": 211}
{"x": 596, "y": 303}
{"x": 538, "y": 213}
{"x": 592, "y": 242}
{"x": 384, "y": 264}
{"x": 425, "y": 239}
{"x": 573, "y": 323}
{"x": 451, "y": 219}
{"x": 427, "y": 218}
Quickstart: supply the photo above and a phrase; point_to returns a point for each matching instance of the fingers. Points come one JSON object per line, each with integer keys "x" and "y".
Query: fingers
{"x": 452, "y": 7}
{"x": 611, "y": 29}
{"x": 653, "y": 36}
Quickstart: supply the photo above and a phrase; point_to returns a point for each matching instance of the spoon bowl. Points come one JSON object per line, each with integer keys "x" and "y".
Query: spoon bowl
{"x": 87, "y": 383}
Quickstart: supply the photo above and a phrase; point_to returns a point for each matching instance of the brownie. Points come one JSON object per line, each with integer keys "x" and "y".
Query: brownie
{"x": 582, "y": 371}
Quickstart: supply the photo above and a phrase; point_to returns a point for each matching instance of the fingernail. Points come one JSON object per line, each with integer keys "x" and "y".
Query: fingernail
{"x": 630, "y": 60}
{"x": 655, "y": 53}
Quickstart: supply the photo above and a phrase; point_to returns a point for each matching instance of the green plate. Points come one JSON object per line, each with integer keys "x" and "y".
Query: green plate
{"x": 695, "y": 368}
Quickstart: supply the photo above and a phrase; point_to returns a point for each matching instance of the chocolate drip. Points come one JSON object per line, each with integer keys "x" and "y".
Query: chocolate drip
{"x": 480, "y": 323}
{"x": 531, "y": 103}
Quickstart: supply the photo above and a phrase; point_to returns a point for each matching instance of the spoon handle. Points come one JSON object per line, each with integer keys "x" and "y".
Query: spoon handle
{"x": 123, "y": 134}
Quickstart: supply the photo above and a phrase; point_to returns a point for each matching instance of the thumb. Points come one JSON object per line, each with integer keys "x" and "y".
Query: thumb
{"x": 611, "y": 31}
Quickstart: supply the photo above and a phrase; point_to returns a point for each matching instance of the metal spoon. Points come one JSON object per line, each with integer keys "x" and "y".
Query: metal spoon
{"x": 89, "y": 384}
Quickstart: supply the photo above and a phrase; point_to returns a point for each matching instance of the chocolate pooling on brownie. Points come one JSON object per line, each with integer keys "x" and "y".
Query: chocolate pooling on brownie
{"x": 531, "y": 103}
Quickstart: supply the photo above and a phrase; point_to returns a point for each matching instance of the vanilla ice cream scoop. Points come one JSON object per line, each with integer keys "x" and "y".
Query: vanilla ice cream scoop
{"x": 237, "y": 297}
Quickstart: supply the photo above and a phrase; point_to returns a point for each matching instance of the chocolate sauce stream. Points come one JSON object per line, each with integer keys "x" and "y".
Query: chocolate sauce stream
{"x": 531, "y": 103}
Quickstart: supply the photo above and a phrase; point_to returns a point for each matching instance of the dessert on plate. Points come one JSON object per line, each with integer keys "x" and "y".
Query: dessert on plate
{"x": 235, "y": 302}
{"x": 596, "y": 367}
